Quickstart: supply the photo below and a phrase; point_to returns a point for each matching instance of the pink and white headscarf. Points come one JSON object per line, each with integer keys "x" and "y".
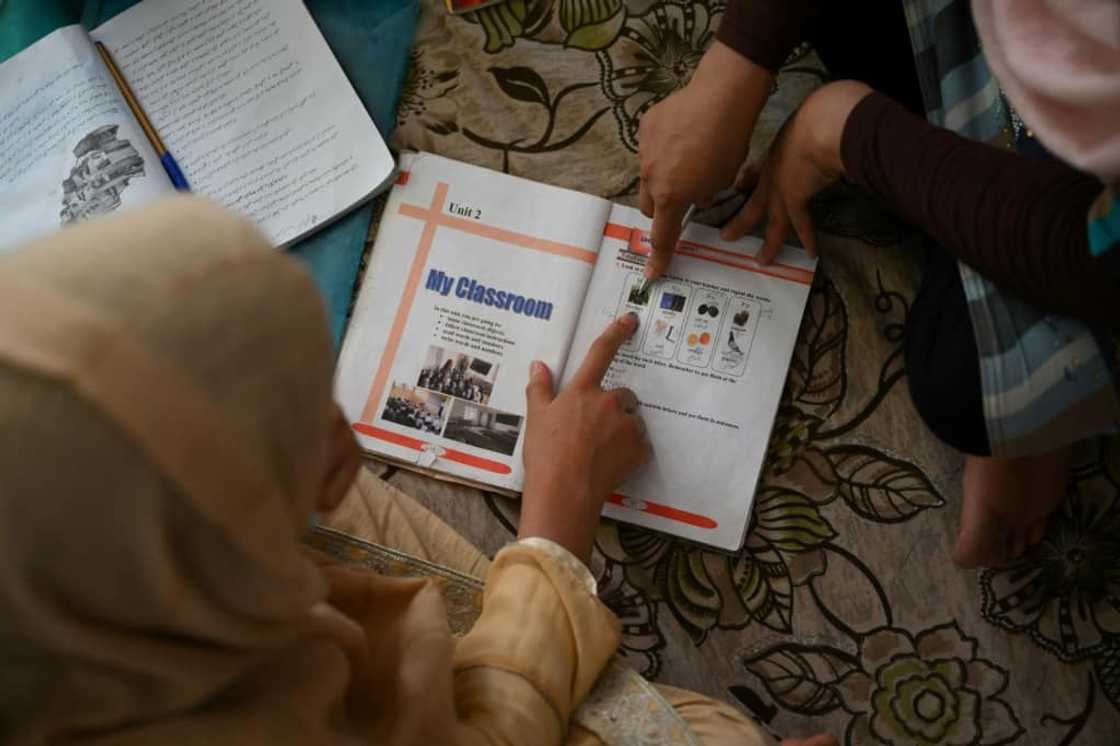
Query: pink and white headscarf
{"x": 1059, "y": 64}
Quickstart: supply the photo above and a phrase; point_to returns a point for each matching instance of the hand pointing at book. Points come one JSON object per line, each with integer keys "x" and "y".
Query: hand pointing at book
{"x": 692, "y": 144}
{"x": 580, "y": 445}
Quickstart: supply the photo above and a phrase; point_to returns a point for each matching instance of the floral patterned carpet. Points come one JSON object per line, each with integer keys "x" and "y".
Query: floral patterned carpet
{"x": 842, "y": 612}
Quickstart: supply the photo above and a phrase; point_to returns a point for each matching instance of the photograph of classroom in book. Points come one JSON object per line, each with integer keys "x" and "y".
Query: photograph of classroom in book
{"x": 483, "y": 427}
{"x": 458, "y": 374}
{"x": 105, "y": 166}
{"x": 416, "y": 408}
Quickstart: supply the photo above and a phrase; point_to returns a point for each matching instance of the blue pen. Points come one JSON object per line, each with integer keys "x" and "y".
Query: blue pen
{"x": 169, "y": 165}
{"x": 177, "y": 179}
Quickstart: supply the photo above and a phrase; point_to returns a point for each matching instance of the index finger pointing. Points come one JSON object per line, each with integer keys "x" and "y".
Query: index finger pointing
{"x": 666, "y": 231}
{"x": 645, "y": 200}
{"x": 603, "y": 350}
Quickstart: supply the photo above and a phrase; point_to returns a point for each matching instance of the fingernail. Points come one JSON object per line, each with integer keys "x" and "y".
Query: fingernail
{"x": 725, "y": 234}
{"x": 631, "y": 319}
{"x": 648, "y": 271}
{"x": 537, "y": 369}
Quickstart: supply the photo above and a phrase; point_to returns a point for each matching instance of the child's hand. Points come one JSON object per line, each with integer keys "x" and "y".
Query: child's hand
{"x": 692, "y": 144}
{"x": 580, "y": 445}
{"x": 804, "y": 159}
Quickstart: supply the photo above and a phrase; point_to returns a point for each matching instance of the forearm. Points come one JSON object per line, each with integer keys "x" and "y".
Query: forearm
{"x": 533, "y": 656}
{"x": 766, "y": 31}
{"x": 1020, "y": 222}
{"x": 735, "y": 87}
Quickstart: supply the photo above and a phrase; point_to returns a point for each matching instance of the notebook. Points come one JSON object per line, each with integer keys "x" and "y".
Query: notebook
{"x": 474, "y": 274}
{"x": 245, "y": 94}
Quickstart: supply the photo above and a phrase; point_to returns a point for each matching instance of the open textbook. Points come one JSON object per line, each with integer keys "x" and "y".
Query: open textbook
{"x": 245, "y": 94}
{"x": 475, "y": 274}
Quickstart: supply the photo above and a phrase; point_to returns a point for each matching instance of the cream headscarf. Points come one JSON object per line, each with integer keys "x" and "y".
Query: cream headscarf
{"x": 164, "y": 409}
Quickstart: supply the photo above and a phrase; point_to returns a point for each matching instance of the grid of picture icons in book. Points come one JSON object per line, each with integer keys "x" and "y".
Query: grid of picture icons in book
{"x": 699, "y": 327}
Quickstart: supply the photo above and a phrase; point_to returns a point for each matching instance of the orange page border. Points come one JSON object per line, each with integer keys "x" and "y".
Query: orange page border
{"x": 663, "y": 511}
{"x": 416, "y": 444}
{"x": 434, "y": 217}
{"x": 634, "y": 238}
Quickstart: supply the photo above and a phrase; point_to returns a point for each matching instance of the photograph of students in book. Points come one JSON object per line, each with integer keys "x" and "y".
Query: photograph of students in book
{"x": 415, "y": 408}
{"x": 458, "y": 375}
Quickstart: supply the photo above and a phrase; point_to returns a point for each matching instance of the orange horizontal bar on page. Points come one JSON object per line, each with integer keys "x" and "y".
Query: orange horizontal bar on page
{"x": 416, "y": 444}
{"x": 638, "y": 241}
{"x": 663, "y": 511}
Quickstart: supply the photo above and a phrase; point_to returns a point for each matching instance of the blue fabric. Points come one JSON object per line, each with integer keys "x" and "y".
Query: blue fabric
{"x": 370, "y": 38}
{"x": 1104, "y": 230}
{"x": 24, "y": 22}
{"x": 1044, "y": 378}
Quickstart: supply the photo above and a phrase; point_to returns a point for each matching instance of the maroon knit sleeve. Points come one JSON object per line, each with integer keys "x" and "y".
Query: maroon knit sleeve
{"x": 1019, "y": 221}
{"x": 766, "y": 31}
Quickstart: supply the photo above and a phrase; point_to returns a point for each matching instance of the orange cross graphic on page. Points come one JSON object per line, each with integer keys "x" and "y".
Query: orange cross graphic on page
{"x": 435, "y": 216}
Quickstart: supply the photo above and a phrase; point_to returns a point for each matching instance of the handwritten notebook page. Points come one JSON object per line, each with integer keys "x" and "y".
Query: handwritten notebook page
{"x": 254, "y": 106}
{"x": 69, "y": 146}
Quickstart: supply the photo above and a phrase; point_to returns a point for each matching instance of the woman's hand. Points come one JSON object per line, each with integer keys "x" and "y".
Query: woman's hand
{"x": 804, "y": 159}
{"x": 580, "y": 445}
{"x": 692, "y": 144}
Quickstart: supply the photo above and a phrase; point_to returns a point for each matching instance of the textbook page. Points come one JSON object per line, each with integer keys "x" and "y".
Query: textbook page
{"x": 253, "y": 105}
{"x": 707, "y": 363}
{"x": 70, "y": 148}
{"x": 474, "y": 274}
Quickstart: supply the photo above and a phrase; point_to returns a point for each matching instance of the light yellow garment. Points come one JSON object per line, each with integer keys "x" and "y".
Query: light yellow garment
{"x": 164, "y": 414}
{"x": 378, "y": 512}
